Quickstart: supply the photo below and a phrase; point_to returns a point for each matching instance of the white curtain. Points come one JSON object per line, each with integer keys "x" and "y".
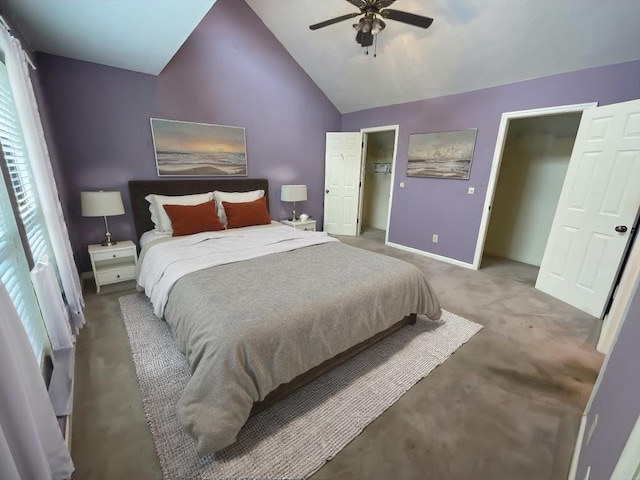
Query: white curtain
{"x": 16, "y": 62}
{"x": 31, "y": 443}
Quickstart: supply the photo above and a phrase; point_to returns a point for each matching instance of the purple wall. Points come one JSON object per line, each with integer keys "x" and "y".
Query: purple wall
{"x": 617, "y": 400}
{"x": 427, "y": 206}
{"x": 101, "y": 129}
{"x": 231, "y": 71}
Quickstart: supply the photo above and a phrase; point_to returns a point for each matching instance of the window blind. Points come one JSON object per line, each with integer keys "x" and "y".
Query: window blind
{"x": 14, "y": 274}
{"x": 19, "y": 172}
{"x": 14, "y": 266}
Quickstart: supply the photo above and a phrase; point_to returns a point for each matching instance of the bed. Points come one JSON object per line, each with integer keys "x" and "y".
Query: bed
{"x": 257, "y": 329}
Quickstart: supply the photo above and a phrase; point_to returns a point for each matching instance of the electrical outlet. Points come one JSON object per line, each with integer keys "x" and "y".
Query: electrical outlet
{"x": 401, "y": 184}
{"x": 471, "y": 190}
{"x": 592, "y": 429}
{"x": 434, "y": 239}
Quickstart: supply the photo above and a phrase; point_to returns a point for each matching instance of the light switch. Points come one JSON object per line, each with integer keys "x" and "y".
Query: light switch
{"x": 401, "y": 184}
{"x": 471, "y": 190}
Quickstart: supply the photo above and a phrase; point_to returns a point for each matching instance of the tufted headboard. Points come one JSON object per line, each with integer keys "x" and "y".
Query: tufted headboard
{"x": 138, "y": 189}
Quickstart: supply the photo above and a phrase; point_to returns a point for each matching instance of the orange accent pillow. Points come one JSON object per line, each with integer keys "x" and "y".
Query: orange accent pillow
{"x": 247, "y": 214}
{"x": 190, "y": 219}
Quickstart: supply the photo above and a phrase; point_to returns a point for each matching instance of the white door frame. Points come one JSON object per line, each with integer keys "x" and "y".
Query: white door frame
{"x": 634, "y": 440}
{"x": 363, "y": 167}
{"x": 387, "y": 128}
{"x": 628, "y": 466}
{"x": 621, "y": 298}
{"x": 497, "y": 162}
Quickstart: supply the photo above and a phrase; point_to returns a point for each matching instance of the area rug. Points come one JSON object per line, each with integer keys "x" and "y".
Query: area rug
{"x": 297, "y": 436}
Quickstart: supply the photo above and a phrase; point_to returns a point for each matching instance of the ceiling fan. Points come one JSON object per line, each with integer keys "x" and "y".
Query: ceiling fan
{"x": 371, "y": 23}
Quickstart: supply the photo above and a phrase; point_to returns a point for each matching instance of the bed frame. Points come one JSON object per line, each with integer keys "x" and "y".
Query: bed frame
{"x": 138, "y": 189}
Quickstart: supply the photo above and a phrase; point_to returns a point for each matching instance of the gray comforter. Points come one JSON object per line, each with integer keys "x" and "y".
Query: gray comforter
{"x": 248, "y": 327}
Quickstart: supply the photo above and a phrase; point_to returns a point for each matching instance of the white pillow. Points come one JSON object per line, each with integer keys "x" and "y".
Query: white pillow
{"x": 234, "y": 197}
{"x": 154, "y": 214}
{"x": 160, "y": 218}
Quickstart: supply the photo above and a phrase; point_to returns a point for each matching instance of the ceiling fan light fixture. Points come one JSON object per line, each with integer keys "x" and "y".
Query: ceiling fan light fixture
{"x": 371, "y": 24}
{"x": 377, "y": 26}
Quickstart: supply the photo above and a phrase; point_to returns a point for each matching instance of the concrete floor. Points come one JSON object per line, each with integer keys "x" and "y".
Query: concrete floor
{"x": 505, "y": 406}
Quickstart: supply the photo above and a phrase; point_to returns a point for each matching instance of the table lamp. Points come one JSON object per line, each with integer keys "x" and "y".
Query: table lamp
{"x": 102, "y": 204}
{"x": 293, "y": 193}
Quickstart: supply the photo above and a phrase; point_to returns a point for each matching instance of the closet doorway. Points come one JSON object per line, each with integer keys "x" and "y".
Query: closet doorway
{"x": 377, "y": 173}
{"x": 534, "y": 164}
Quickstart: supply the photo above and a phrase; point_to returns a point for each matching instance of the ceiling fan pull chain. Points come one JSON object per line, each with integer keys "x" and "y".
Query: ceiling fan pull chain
{"x": 375, "y": 48}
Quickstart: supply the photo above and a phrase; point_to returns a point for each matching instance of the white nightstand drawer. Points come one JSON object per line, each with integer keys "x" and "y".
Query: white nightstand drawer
{"x": 113, "y": 264}
{"x": 115, "y": 276}
{"x": 307, "y": 225}
{"x": 113, "y": 254}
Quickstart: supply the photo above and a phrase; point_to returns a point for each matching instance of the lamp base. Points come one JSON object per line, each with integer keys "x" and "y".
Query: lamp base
{"x": 108, "y": 241}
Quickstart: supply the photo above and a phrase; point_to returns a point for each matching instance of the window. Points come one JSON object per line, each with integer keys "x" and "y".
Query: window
{"x": 14, "y": 274}
{"x": 20, "y": 172}
{"x": 14, "y": 264}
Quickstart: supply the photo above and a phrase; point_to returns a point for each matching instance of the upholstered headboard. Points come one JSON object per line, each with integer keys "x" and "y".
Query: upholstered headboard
{"x": 138, "y": 189}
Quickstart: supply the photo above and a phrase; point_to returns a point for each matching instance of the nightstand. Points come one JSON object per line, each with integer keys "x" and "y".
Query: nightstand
{"x": 308, "y": 225}
{"x": 113, "y": 264}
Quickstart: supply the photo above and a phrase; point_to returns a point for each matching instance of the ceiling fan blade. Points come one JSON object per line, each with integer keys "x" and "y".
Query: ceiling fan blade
{"x": 406, "y": 17}
{"x": 359, "y": 3}
{"x": 334, "y": 20}
{"x": 385, "y": 3}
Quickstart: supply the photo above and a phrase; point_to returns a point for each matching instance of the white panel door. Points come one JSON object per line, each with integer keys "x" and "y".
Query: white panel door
{"x": 597, "y": 209}
{"x": 343, "y": 160}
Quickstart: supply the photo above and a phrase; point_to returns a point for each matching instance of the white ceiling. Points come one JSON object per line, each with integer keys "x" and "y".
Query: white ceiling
{"x": 138, "y": 35}
{"x": 472, "y": 44}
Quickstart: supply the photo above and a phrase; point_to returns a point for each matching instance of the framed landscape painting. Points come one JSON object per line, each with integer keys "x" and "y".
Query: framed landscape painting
{"x": 198, "y": 149}
{"x": 441, "y": 155}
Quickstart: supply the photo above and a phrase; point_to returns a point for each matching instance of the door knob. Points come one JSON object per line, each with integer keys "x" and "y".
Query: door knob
{"x": 326, "y": 191}
{"x": 621, "y": 229}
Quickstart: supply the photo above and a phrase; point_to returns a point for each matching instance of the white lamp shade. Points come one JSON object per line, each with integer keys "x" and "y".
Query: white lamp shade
{"x": 293, "y": 193}
{"x": 101, "y": 204}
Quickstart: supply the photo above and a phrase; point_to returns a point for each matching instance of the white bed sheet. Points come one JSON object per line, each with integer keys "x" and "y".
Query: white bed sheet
{"x": 162, "y": 265}
{"x": 152, "y": 235}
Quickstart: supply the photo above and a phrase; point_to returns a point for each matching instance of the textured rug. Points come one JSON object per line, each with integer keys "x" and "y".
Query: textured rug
{"x": 295, "y": 437}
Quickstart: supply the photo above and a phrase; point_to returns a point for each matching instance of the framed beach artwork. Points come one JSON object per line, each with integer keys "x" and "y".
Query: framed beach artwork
{"x": 198, "y": 149}
{"x": 441, "y": 155}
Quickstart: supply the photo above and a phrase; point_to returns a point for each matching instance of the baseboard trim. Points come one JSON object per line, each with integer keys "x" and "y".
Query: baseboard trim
{"x": 452, "y": 261}
{"x": 573, "y": 471}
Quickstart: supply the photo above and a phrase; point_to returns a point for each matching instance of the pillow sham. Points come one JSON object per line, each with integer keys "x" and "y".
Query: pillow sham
{"x": 247, "y": 214}
{"x": 234, "y": 197}
{"x": 163, "y": 223}
{"x": 190, "y": 219}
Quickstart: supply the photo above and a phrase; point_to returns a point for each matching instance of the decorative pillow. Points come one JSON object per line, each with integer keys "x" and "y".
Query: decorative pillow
{"x": 162, "y": 222}
{"x": 190, "y": 219}
{"x": 234, "y": 197}
{"x": 247, "y": 214}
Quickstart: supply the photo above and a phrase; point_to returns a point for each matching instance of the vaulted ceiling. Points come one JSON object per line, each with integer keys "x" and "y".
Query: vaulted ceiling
{"x": 138, "y": 35}
{"x": 472, "y": 44}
